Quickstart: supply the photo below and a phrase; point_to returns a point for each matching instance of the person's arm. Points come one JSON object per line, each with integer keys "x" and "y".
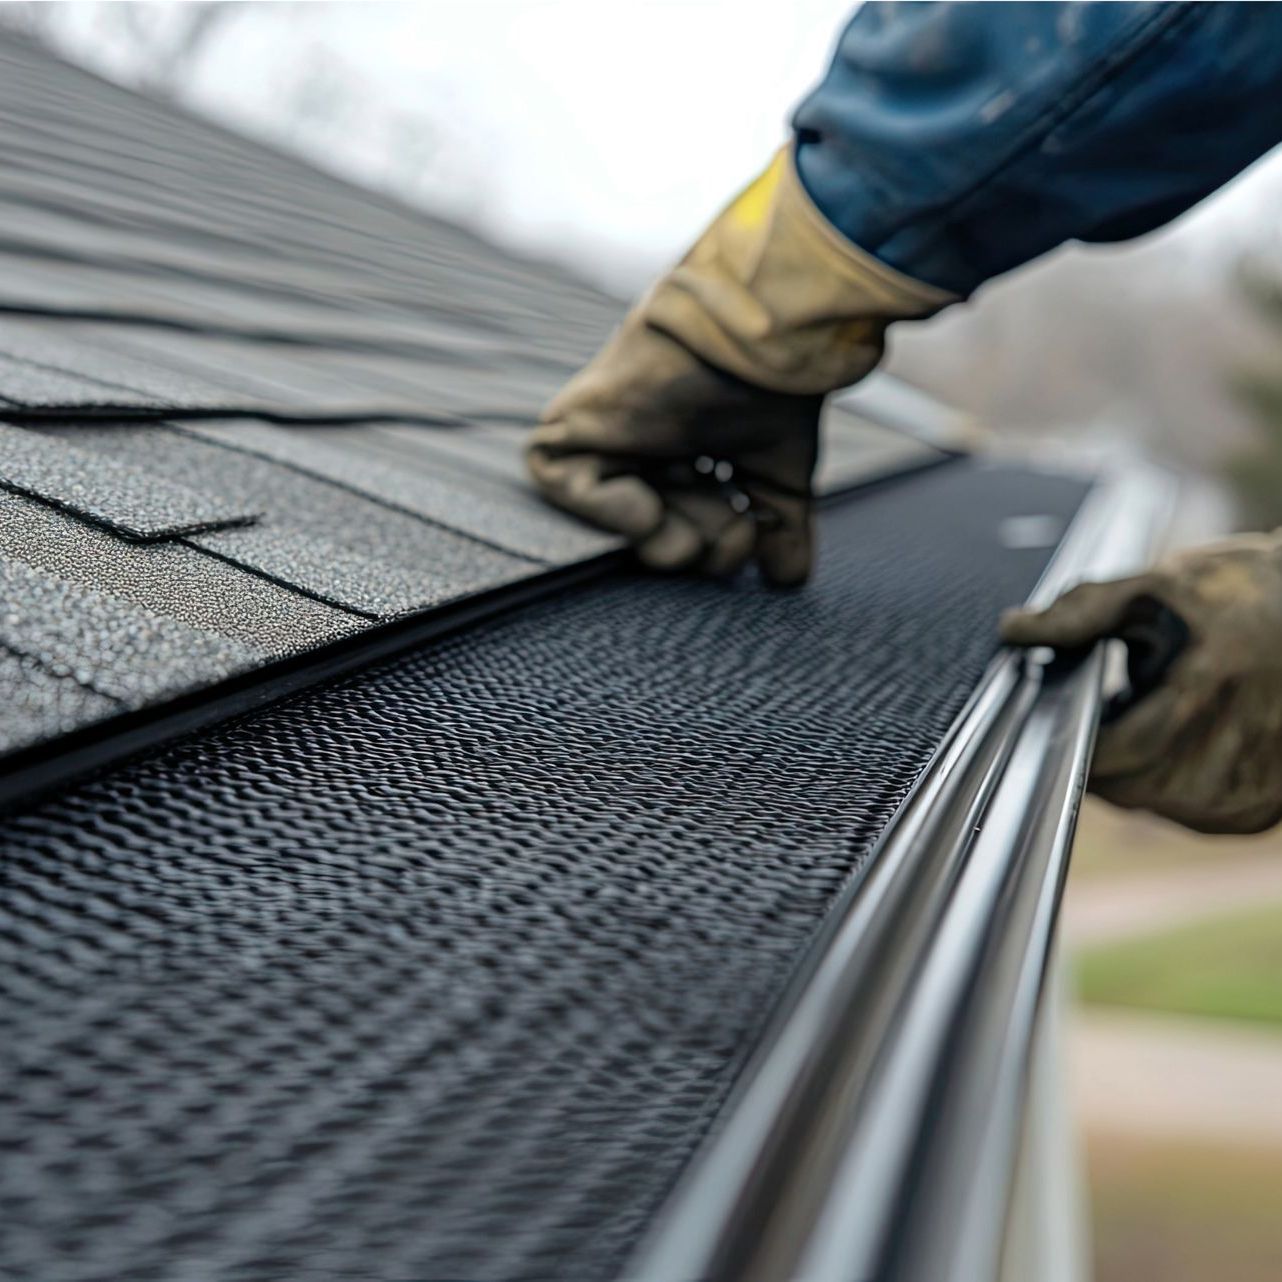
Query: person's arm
{"x": 947, "y": 143}
{"x": 724, "y": 365}
{"x": 958, "y": 141}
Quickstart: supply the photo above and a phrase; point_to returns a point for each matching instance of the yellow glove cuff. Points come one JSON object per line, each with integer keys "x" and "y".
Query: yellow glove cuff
{"x": 774, "y": 294}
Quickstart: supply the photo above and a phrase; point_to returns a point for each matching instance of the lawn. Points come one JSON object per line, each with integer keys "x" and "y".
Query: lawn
{"x": 1229, "y": 967}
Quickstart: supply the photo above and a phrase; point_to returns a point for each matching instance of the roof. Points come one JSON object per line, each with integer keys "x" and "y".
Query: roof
{"x": 248, "y": 410}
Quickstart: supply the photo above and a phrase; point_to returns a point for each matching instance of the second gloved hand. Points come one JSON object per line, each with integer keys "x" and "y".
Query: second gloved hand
{"x": 1204, "y": 747}
{"x": 694, "y": 432}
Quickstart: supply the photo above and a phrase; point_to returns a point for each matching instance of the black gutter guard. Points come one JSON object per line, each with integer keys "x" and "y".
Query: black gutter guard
{"x": 448, "y": 968}
{"x": 875, "y": 1133}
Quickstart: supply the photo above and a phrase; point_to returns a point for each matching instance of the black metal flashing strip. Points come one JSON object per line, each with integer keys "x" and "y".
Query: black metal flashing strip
{"x": 874, "y": 1134}
{"x": 45, "y": 767}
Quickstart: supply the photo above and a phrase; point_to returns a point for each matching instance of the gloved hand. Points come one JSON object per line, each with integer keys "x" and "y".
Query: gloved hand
{"x": 694, "y": 431}
{"x": 1204, "y": 747}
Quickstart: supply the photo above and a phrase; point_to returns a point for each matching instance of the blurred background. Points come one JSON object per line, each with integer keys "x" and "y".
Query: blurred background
{"x": 604, "y": 137}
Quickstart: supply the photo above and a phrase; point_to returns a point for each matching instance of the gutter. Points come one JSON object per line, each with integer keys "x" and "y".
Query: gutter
{"x": 874, "y": 1133}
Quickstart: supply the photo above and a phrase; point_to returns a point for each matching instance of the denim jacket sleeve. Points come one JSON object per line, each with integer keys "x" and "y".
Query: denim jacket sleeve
{"x": 956, "y": 141}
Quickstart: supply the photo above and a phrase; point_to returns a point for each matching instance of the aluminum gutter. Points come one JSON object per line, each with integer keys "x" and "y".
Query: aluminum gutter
{"x": 874, "y": 1134}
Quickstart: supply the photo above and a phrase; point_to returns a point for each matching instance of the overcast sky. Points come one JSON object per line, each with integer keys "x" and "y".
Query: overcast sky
{"x": 601, "y": 132}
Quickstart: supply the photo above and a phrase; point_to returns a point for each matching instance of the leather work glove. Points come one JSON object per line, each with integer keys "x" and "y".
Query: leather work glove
{"x": 694, "y": 431}
{"x": 1203, "y": 746}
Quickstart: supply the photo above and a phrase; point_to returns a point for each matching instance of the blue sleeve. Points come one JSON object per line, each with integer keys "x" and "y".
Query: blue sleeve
{"x": 956, "y": 141}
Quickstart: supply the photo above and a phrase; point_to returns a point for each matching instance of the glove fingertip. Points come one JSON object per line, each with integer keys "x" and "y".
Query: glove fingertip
{"x": 1021, "y": 627}
{"x": 1080, "y": 616}
{"x": 731, "y": 548}
{"x": 629, "y": 505}
{"x": 785, "y": 558}
{"x": 675, "y": 545}
{"x": 624, "y": 504}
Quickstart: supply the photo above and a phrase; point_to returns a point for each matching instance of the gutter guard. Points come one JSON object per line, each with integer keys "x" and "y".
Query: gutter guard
{"x": 874, "y": 1134}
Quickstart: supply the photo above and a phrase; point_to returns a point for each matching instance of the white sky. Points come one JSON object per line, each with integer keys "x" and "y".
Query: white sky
{"x": 597, "y": 131}
{"x": 603, "y": 133}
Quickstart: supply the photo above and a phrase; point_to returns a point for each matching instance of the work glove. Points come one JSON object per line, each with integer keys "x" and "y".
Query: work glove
{"x": 694, "y": 431}
{"x": 1203, "y": 746}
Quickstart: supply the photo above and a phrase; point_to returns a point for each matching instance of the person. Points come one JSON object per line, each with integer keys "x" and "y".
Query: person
{"x": 949, "y": 143}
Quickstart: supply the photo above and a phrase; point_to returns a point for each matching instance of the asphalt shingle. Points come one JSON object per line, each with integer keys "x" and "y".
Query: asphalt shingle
{"x": 490, "y": 500}
{"x": 171, "y": 579}
{"x": 123, "y": 497}
{"x": 40, "y": 704}
{"x": 319, "y": 536}
{"x": 113, "y": 647}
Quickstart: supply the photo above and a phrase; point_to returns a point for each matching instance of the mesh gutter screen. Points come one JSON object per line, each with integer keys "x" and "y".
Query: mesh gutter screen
{"x": 443, "y": 970}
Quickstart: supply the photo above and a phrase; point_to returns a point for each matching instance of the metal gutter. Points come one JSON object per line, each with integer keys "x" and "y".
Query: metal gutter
{"x": 874, "y": 1133}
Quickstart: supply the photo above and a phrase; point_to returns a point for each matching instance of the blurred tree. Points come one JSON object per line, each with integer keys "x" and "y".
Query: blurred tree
{"x": 164, "y": 41}
{"x": 1255, "y": 472}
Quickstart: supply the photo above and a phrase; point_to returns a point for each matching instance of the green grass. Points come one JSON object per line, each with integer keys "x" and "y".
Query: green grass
{"x": 1227, "y": 967}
